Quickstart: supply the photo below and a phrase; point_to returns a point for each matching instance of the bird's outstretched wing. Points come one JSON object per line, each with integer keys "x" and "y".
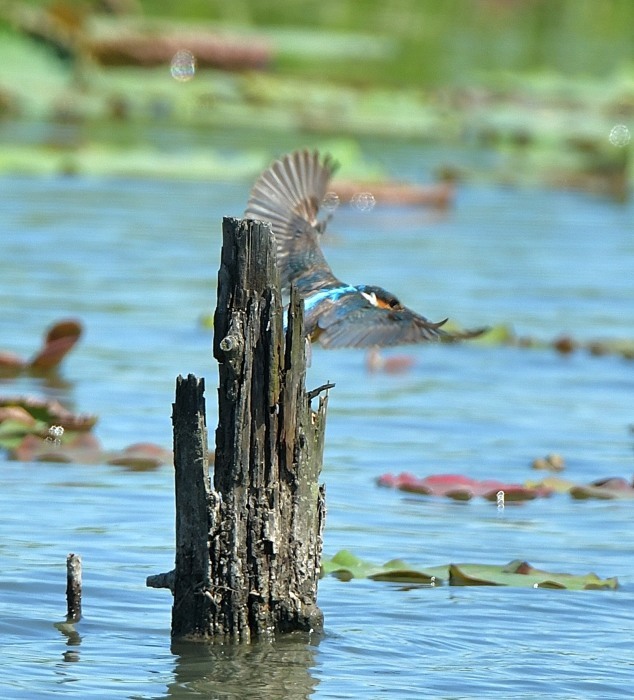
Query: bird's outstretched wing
{"x": 354, "y": 322}
{"x": 288, "y": 194}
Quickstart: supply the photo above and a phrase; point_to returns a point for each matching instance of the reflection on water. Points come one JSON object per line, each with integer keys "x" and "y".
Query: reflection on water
{"x": 261, "y": 670}
{"x": 137, "y": 263}
{"x": 73, "y": 639}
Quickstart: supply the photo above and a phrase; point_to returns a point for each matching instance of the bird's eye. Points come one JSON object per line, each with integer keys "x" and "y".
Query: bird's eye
{"x": 394, "y": 303}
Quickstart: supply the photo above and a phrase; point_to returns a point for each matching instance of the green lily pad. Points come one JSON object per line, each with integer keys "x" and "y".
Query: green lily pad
{"x": 12, "y": 432}
{"x": 521, "y": 574}
{"x": 500, "y": 334}
{"x": 346, "y": 566}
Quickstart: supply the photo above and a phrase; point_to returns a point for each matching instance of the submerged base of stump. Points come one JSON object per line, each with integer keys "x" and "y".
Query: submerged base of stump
{"x": 248, "y": 550}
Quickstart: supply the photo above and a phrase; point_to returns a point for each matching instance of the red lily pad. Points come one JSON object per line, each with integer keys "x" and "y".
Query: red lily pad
{"x": 462, "y": 488}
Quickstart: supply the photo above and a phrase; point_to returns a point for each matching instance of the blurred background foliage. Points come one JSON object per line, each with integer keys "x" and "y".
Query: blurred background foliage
{"x": 406, "y": 42}
{"x": 431, "y": 43}
{"x": 546, "y": 78}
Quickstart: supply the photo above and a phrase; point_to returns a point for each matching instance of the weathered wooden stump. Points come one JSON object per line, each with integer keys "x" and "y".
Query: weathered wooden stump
{"x": 248, "y": 551}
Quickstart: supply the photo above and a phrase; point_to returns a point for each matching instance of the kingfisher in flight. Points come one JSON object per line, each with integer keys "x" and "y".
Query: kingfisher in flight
{"x": 288, "y": 194}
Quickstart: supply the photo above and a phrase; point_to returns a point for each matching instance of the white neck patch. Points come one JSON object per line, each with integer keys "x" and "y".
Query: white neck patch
{"x": 371, "y": 297}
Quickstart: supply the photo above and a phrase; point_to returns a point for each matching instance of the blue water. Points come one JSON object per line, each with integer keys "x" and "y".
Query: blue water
{"x": 136, "y": 261}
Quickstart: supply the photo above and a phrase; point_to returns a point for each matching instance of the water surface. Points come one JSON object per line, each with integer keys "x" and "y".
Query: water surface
{"x": 136, "y": 261}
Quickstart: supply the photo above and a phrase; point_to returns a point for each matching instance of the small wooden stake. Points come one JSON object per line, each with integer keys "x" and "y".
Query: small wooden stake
{"x": 73, "y": 587}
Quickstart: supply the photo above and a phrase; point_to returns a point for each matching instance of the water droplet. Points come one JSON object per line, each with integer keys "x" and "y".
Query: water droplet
{"x": 500, "y": 499}
{"x": 55, "y": 433}
{"x": 363, "y": 201}
{"x": 183, "y": 66}
{"x": 330, "y": 201}
{"x": 620, "y": 135}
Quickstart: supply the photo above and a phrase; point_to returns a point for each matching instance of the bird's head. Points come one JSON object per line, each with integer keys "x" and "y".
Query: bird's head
{"x": 378, "y": 296}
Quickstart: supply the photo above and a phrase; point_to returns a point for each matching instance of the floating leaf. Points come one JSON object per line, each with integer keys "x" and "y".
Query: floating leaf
{"x": 501, "y": 334}
{"x": 555, "y": 484}
{"x": 25, "y": 422}
{"x": 83, "y": 448}
{"x": 16, "y": 414}
{"x": 13, "y": 432}
{"x": 40, "y": 430}
{"x": 521, "y": 574}
{"x": 346, "y": 566}
{"x": 72, "y": 447}
{"x": 393, "y": 364}
{"x": 605, "y": 488}
{"x": 141, "y": 456}
{"x": 462, "y": 488}
{"x": 206, "y": 321}
{"x": 613, "y": 487}
{"x": 11, "y": 365}
{"x": 58, "y": 342}
{"x": 50, "y": 412}
{"x": 552, "y": 462}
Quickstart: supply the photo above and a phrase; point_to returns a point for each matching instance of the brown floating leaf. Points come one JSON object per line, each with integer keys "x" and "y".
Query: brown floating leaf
{"x": 152, "y": 49}
{"x": 10, "y": 364}
{"x": 552, "y": 462}
{"x": 74, "y": 447}
{"x": 440, "y": 195}
{"x": 565, "y": 344}
{"x": 613, "y": 487}
{"x": 141, "y": 456}
{"x": 58, "y": 342}
{"x": 67, "y": 328}
{"x": 84, "y": 448}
